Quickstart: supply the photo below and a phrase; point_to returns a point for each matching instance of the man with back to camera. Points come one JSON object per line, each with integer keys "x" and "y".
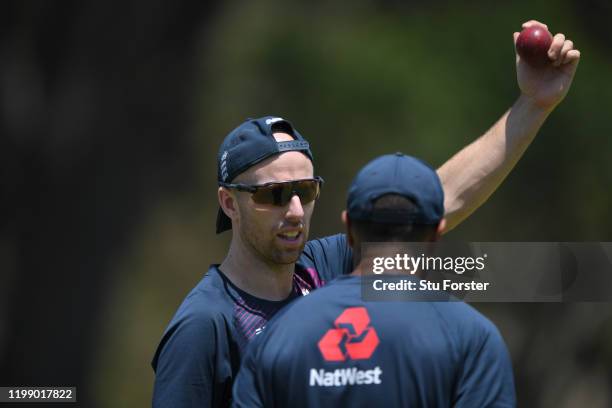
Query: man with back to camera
{"x": 266, "y": 194}
{"x": 332, "y": 348}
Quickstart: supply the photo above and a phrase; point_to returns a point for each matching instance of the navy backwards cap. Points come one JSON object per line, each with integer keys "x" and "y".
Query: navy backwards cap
{"x": 250, "y": 143}
{"x": 402, "y": 175}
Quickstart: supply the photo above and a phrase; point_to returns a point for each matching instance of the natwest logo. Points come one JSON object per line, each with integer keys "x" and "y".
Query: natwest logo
{"x": 352, "y": 338}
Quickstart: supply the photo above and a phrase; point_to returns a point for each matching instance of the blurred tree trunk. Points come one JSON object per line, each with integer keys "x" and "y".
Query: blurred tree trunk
{"x": 94, "y": 126}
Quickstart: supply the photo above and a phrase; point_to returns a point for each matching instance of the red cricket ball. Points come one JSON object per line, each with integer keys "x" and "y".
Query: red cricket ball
{"x": 532, "y": 45}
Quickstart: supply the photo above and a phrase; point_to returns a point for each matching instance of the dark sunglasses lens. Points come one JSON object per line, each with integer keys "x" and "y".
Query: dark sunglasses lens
{"x": 276, "y": 194}
{"x": 307, "y": 190}
{"x": 280, "y": 194}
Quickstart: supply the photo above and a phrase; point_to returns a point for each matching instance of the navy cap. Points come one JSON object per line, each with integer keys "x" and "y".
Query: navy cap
{"x": 250, "y": 143}
{"x": 402, "y": 175}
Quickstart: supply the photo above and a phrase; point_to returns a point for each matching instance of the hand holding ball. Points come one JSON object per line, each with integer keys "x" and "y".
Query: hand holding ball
{"x": 532, "y": 45}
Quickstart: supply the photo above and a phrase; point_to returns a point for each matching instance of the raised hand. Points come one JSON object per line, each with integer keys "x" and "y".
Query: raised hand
{"x": 548, "y": 84}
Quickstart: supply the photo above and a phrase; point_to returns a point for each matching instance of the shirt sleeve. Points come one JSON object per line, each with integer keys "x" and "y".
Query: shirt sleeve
{"x": 331, "y": 256}
{"x": 485, "y": 377}
{"x": 188, "y": 365}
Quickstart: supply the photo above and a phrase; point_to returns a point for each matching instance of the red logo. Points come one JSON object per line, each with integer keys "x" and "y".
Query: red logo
{"x": 352, "y": 338}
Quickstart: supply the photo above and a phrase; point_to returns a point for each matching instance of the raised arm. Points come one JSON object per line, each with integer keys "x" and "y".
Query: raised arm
{"x": 473, "y": 174}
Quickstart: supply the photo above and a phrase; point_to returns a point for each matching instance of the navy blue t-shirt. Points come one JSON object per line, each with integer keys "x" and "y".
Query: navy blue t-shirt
{"x": 334, "y": 349}
{"x": 200, "y": 352}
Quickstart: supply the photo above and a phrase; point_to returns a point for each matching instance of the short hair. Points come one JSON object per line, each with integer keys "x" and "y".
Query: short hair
{"x": 369, "y": 231}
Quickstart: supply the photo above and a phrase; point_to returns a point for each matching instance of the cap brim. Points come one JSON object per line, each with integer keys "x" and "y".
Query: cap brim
{"x": 224, "y": 223}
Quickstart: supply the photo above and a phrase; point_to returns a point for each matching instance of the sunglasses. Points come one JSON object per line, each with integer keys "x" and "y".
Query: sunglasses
{"x": 280, "y": 193}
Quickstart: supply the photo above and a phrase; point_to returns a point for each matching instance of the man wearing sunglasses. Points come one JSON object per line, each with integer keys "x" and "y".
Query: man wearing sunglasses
{"x": 267, "y": 190}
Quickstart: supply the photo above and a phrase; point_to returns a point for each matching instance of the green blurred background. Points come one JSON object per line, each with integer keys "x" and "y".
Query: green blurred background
{"x": 111, "y": 116}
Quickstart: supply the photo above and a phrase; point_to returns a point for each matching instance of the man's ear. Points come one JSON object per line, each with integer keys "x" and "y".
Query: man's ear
{"x": 347, "y": 227}
{"x": 228, "y": 203}
{"x": 440, "y": 229}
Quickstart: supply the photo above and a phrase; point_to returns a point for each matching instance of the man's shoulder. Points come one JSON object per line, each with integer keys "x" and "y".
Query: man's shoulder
{"x": 207, "y": 305}
{"x": 316, "y": 246}
{"x": 209, "y": 299}
{"x": 203, "y": 312}
{"x": 465, "y": 321}
{"x": 329, "y": 256}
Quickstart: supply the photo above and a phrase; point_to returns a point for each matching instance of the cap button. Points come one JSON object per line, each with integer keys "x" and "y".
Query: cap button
{"x": 399, "y": 153}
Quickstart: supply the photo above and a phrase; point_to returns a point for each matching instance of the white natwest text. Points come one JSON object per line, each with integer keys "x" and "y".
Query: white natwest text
{"x": 344, "y": 376}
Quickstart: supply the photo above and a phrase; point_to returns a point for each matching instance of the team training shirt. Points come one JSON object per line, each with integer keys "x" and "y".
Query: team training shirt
{"x": 199, "y": 354}
{"x": 333, "y": 349}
